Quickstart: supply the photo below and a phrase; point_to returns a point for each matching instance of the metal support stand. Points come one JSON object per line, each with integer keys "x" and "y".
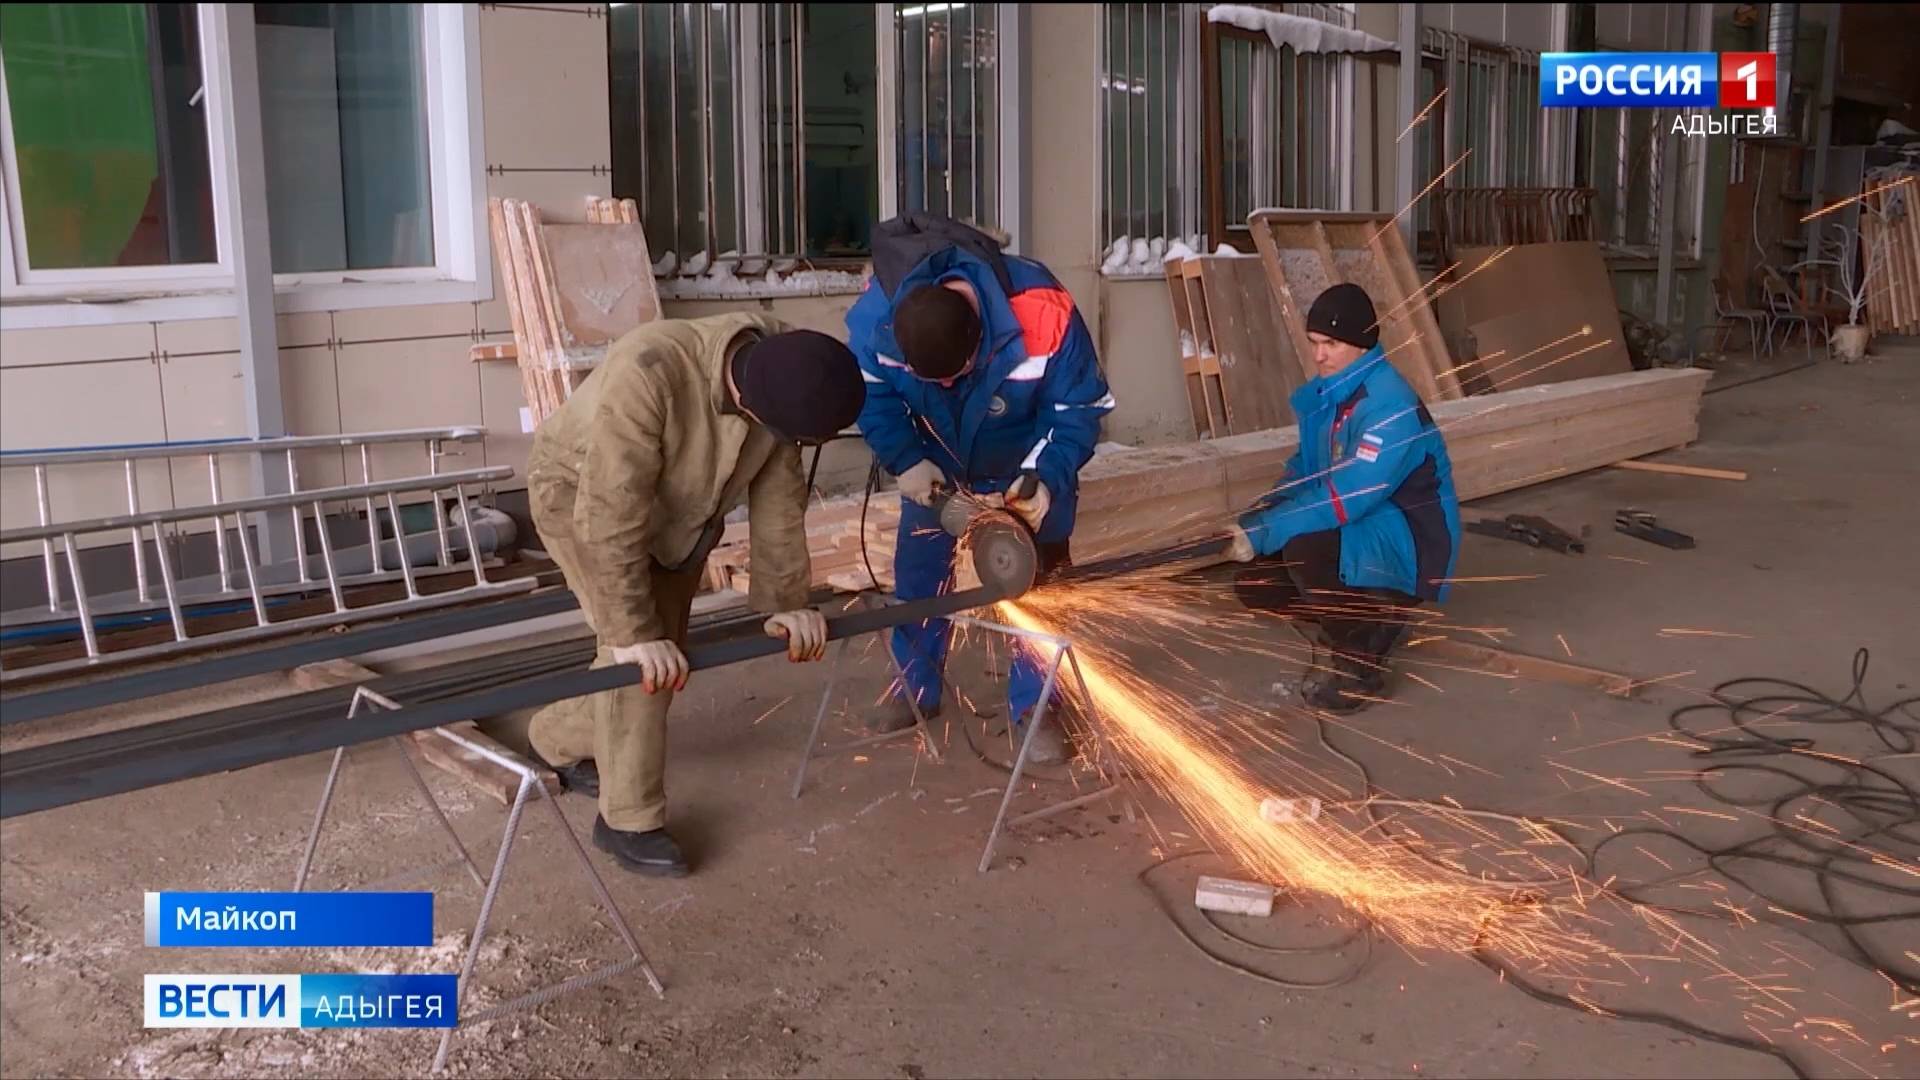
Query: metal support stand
{"x": 529, "y": 786}
{"x": 920, "y": 727}
{"x": 1062, "y": 653}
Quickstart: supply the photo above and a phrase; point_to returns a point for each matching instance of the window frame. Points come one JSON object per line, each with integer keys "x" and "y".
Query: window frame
{"x": 450, "y": 43}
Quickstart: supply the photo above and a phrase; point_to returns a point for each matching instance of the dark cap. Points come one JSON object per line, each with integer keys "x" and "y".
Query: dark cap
{"x": 938, "y": 331}
{"x": 803, "y": 386}
{"x": 1345, "y": 313}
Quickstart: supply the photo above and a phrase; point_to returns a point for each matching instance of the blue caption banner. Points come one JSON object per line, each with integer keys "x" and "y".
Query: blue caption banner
{"x": 270, "y": 920}
{"x": 302, "y": 1001}
{"x": 1617, "y": 79}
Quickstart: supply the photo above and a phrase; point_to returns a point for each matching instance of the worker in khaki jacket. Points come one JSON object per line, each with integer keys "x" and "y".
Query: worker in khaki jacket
{"x": 630, "y": 482}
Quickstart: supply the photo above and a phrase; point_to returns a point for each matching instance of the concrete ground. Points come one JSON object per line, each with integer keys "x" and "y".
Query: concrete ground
{"x": 848, "y": 934}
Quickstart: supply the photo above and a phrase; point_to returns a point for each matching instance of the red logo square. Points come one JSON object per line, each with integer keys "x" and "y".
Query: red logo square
{"x": 1746, "y": 80}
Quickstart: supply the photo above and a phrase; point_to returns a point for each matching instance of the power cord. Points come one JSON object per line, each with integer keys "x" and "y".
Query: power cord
{"x": 1885, "y": 808}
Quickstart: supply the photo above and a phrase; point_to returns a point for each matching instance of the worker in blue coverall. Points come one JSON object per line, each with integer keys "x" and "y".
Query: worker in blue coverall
{"x": 981, "y": 377}
{"x": 1363, "y": 525}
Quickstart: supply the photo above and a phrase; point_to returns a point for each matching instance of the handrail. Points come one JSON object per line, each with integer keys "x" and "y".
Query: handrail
{"x": 10, "y": 459}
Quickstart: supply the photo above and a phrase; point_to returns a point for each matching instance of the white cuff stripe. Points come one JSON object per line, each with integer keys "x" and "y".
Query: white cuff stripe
{"x": 1103, "y": 404}
{"x": 1033, "y": 367}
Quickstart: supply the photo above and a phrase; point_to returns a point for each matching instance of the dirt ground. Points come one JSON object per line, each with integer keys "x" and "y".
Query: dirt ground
{"x": 848, "y": 934}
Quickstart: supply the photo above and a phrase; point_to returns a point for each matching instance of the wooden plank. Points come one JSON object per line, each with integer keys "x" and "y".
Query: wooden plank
{"x": 1527, "y": 666}
{"x": 1520, "y": 300}
{"x": 1681, "y": 470}
{"x": 1419, "y": 312}
{"x": 326, "y": 674}
{"x": 498, "y": 350}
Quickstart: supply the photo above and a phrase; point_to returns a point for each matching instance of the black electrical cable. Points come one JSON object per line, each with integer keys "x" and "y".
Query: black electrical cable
{"x": 1887, "y": 808}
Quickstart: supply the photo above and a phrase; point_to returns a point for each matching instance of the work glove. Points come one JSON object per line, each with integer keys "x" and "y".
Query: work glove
{"x": 805, "y": 631}
{"x": 1031, "y": 506}
{"x": 662, "y": 664}
{"x": 1240, "y": 545}
{"x": 919, "y": 483}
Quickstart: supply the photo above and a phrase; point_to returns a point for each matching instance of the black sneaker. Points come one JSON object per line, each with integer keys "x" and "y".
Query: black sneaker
{"x": 652, "y": 852}
{"x": 582, "y": 776}
{"x": 896, "y": 715}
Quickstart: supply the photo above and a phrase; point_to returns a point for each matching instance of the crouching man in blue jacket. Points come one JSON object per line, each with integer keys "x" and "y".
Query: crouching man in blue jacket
{"x": 980, "y": 374}
{"x": 1363, "y": 525}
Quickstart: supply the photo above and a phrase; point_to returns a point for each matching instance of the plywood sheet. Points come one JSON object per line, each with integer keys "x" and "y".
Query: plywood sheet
{"x": 1539, "y": 313}
{"x": 604, "y": 278}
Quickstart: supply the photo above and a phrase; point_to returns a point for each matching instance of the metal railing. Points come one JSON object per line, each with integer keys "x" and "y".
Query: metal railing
{"x": 251, "y": 576}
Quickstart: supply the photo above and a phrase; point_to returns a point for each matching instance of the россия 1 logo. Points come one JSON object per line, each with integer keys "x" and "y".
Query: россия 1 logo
{"x": 1657, "y": 80}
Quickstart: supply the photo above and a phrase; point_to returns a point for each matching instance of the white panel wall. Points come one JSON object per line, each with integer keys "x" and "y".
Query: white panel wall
{"x": 544, "y": 78}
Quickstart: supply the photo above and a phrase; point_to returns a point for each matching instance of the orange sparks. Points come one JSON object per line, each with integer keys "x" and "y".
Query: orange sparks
{"x": 1421, "y": 115}
{"x": 1854, "y": 199}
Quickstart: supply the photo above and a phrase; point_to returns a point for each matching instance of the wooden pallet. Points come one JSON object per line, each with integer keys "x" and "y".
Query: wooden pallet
{"x": 571, "y": 289}
{"x": 1306, "y": 251}
{"x": 1890, "y": 230}
{"x": 1234, "y": 356}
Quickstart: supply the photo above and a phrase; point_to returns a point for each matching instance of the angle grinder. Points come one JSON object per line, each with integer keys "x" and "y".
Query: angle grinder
{"x": 1004, "y": 554}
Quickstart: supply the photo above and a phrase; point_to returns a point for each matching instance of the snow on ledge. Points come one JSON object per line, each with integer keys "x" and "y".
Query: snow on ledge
{"x": 700, "y": 281}
{"x": 1304, "y": 34}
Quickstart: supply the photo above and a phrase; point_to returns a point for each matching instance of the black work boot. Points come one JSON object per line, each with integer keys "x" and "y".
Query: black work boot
{"x": 652, "y": 852}
{"x": 896, "y": 715}
{"x": 1359, "y": 669}
{"x": 582, "y": 777}
{"x": 1053, "y": 744}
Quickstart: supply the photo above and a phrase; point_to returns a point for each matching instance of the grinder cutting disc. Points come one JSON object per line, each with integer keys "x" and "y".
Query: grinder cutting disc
{"x": 1003, "y": 553}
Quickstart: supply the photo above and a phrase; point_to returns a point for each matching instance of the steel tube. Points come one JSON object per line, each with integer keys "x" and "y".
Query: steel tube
{"x": 299, "y": 530}
{"x": 80, "y": 596}
{"x": 139, "y": 552}
{"x": 219, "y": 529}
{"x": 12, "y": 459}
{"x": 46, "y": 542}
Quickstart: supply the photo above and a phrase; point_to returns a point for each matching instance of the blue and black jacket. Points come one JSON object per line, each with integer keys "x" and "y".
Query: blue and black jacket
{"x": 1373, "y": 465}
{"x": 1035, "y": 396}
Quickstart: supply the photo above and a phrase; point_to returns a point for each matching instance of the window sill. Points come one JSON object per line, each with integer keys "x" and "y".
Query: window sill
{"x": 1155, "y": 274}
{"x": 801, "y": 283}
{"x": 105, "y": 309}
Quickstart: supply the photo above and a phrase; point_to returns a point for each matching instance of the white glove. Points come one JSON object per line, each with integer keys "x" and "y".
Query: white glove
{"x": 1240, "y": 545}
{"x": 805, "y": 630}
{"x": 662, "y": 664}
{"x": 918, "y": 483}
{"x": 1032, "y": 510}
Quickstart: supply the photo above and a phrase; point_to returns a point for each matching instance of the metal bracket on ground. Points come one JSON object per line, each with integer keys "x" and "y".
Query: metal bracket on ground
{"x": 530, "y": 786}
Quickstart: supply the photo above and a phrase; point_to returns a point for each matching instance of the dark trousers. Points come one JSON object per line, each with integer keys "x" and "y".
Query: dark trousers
{"x": 1303, "y": 583}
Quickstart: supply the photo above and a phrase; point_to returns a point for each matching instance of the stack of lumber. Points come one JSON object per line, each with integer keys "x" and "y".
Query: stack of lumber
{"x": 833, "y": 539}
{"x": 1238, "y": 365}
{"x": 1535, "y": 314}
{"x": 571, "y": 289}
{"x": 1134, "y": 500}
{"x": 1305, "y": 252}
{"x": 1890, "y": 235}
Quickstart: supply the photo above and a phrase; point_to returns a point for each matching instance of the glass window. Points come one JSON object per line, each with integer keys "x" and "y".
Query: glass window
{"x": 949, "y": 97}
{"x": 344, "y": 112}
{"x": 109, "y": 134}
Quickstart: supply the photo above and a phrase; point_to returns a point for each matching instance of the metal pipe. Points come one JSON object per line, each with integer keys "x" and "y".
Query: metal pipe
{"x": 326, "y": 558}
{"x": 138, "y": 546}
{"x": 80, "y": 597}
{"x": 46, "y": 542}
{"x": 799, "y": 136}
{"x": 1126, "y": 37}
{"x": 76, "y": 770}
{"x": 1783, "y": 24}
{"x": 439, "y": 512}
{"x": 299, "y": 529}
{"x": 673, "y": 115}
{"x": 246, "y": 561}
{"x": 219, "y": 528}
{"x": 947, "y": 92}
{"x": 400, "y": 541}
{"x": 373, "y": 519}
{"x": 167, "y": 583}
{"x": 20, "y": 459}
{"x": 116, "y": 689}
{"x": 473, "y": 546}
{"x": 710, "y": 189}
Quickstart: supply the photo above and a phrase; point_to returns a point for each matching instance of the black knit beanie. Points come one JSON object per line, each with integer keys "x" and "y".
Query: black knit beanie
{"x": 1345, "y": 313}
{"x": 803, "y": 385}
{"x": 938, "y": 331}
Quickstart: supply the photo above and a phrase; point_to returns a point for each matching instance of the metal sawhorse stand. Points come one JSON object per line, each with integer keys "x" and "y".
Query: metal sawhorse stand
{"x": 1062, "y": 653}
{"x": 529, "y": 784}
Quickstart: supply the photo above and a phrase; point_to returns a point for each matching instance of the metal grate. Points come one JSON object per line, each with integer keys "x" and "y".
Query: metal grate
{"x": 1150, "y": 122}
{"x": 948, "y": 85}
